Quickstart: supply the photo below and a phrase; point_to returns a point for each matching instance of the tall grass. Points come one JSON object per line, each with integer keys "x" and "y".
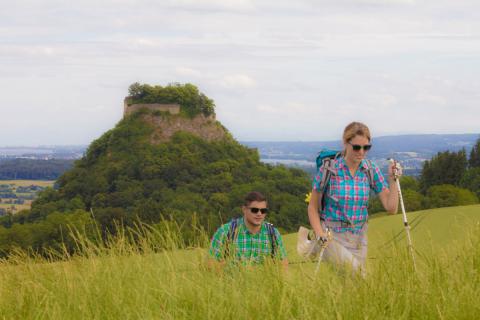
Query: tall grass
{"x": 162, "y": 279}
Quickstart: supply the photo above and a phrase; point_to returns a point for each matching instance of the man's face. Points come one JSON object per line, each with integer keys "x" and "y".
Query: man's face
{"x": 257, "y": 218}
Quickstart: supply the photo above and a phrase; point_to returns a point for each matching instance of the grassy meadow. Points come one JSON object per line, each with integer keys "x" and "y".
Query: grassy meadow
{"x": 121, "y": 281}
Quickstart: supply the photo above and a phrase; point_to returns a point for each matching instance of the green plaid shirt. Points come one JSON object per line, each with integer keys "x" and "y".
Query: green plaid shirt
{"x": 247, "y": 247}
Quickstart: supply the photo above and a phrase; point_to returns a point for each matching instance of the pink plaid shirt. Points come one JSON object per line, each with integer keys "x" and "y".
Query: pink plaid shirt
{"x": 346, "y": 198}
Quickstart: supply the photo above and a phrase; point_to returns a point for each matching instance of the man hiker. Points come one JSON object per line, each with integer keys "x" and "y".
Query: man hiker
{"x": 249, "y": 239}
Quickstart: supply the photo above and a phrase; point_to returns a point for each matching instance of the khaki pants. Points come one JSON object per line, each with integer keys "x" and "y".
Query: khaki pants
{"x": 347, "y": 247}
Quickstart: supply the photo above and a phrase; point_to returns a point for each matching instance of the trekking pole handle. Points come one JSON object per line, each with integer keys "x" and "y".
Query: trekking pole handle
{"x": 397, "y": 168}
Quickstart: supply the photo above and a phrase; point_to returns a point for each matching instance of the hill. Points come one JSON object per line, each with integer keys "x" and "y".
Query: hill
{"x": 156, "y": 166}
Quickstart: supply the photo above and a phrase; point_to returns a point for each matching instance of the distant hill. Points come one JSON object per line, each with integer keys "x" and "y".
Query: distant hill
{"x": 425, "y": 145}
{"x": 412, "y": 150}
{"x": 68, "y": 152}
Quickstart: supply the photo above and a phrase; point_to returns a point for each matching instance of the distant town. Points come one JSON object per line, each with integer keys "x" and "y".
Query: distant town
{"x": 411, "y": 150}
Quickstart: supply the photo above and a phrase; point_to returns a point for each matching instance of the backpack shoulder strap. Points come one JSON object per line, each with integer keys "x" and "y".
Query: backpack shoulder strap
{"x": 328, "y": 165}
{"x": 273, "y": 238}
{"x": 232, "y": 231}
{"x": 370, "y": 174}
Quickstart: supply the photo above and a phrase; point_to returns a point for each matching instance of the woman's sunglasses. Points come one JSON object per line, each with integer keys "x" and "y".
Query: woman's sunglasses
{"x": 255, "y": 210}
{"x": 357, "y": 147}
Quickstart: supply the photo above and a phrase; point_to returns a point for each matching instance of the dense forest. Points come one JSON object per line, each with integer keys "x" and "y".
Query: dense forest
{"x": 33, "y": 169}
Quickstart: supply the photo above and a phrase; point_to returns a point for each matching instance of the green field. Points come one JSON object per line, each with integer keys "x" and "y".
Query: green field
{"x": 25, "y": 183}
{"x": 13, "y": 187}
{"x": 430, "y": 229}
{"x": 123, "y": 282}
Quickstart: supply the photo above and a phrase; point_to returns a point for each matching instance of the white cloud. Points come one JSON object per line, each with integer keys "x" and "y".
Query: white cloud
{"x": 237, "y": 81}
{"x": 293, "y": 109}
{"x": 267, "y": 109}
{"x": 188, "y": 72}
{"x": 212, "y": 4}
{"x": 431, "y": 99}
{"x": 380, "y": 100}
{"x": 302, "y": 69}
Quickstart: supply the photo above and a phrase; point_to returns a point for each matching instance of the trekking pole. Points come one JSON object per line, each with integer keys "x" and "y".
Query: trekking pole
{"x": 405, "y": 221}
{"x": 322, "y": 250}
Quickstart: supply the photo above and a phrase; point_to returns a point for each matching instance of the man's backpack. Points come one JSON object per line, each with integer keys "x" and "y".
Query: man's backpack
{"x": 326, "y": 159}
{"x": 233, "y": 232}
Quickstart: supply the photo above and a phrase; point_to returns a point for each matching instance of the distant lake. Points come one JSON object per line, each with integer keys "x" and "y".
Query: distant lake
{"x": 289, "y": 162}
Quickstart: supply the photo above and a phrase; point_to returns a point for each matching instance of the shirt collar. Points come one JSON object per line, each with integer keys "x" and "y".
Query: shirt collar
{"x": 342, "y": 164}
{"x": 244, "y": 226}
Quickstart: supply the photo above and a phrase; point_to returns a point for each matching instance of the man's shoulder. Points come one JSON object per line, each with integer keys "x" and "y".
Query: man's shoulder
{"x": 227, "y": 225}
{"x": 224, "y": 228}
{"x": 270, "y": 228}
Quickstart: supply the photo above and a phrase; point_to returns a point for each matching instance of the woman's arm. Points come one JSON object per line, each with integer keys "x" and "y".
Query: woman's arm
{"x": 313, "y": 216}
{"x": 389, "y": 197}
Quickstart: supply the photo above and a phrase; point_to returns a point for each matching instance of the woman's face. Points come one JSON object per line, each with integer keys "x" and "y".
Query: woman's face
{"x": 354, "y": 153}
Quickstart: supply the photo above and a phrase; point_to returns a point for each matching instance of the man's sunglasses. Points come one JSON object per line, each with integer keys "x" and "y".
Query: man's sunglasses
{"x": 357, "y": 147}
{"x": 255, "y": 210}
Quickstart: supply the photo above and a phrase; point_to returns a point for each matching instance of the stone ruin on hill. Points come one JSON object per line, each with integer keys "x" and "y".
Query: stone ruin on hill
{"x": 172, "y": 108}
{"x": 202, "y": 126}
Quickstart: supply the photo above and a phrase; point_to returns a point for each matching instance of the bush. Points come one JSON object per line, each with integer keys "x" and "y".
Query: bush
{"x": 471, "y": 180}
{"x": 412, "y": 199}
{"x": 448, "y": 195}
{"x": 409, "y": 183}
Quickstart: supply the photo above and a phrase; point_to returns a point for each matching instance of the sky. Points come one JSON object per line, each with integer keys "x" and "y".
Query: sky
{"x": 278, "y": 70}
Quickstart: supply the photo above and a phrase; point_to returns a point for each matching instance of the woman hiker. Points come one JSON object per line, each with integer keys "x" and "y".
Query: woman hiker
{"x": 344, "y": 212}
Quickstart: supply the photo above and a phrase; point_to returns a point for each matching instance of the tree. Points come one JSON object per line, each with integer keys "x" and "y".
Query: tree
{"x": 135, "y": 90}
{"x": 474, "y": 160}
{"x": 444, "y": 168}
{"x": 471, "y": 180}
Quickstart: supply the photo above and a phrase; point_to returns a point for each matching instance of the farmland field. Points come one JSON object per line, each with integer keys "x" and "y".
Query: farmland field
{"x": 17, "y": 195}
{"x": 122, "y": 281}
{"x": 24, "y": 183}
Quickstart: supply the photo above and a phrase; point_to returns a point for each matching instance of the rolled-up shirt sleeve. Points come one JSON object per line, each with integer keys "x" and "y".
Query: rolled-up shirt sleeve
{"x": 379, "y": 181}
{"x": 317, "y": 179}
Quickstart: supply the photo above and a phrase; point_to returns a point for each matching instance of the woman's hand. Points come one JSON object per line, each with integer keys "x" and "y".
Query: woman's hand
{"x": 389, "y": 197}
{"x": 395, "y": 169}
